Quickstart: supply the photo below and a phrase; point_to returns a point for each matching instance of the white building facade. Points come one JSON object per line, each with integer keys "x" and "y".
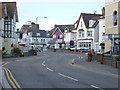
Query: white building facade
{"x": 88, "y": 32}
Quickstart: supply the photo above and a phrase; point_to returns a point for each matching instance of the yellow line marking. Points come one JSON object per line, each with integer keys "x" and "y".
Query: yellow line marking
{"x": 14, "y": 79}
{"x": 13, "y": 85}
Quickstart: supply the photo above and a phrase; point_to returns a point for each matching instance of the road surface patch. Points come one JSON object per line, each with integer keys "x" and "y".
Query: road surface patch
{"x": 11, "y": 79}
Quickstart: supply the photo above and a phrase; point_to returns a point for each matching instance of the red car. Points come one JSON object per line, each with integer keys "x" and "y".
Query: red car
{"x": 37, "y": 49}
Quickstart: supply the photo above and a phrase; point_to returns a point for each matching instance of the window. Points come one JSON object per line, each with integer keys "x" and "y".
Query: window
{"x": 89, "y": 33}
{"x": 81, "y": 34}
{"x": 60, "y": 36}
{"x": 37, "y": 34}
{"x": 115, "y": 18}
{"x": 91, "y": 23}
{"x": 81, "y": 24}
{"x": 54, "y": 36}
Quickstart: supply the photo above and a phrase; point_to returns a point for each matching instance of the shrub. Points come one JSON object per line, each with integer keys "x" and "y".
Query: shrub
{"x": 15, "y": 50}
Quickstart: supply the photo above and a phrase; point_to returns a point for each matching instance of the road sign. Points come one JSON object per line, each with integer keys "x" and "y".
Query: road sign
{"x": 110, "y": 36}
{"x": 116, "y": 41}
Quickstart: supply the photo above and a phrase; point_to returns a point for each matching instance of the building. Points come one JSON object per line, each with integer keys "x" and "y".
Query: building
{"x": 58, "y": 35}
{"x": 70, "y": 37}
{"x": 112, "y": 25}
{"x": 34, "y": 39}
{"x": 88, "y": 31}
{"x": 8, "y": 19}
{"x": 102, "y": 35}
{"x": 30, "y": 25}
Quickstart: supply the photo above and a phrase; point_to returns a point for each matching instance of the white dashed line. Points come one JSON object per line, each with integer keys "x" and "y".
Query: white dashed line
{"x": 96, "y": 87}
{"x": 49, "y": 69}
{"x": 79, "y": 57}
{"x": 68, "y": 77}
{"x": 43, "y": 63}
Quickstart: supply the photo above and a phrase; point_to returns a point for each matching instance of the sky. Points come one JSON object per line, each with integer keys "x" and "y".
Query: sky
{"x": 57, "y": 11}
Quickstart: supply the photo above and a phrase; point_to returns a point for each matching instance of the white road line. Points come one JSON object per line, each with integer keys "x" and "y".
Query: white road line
{"x": 96, "y": 87}
{"x": 43, "y": 63}
{"x": 6, "y": 63}
{"x": 49, "y": 69}
{"x": 79, "y": 57}
{"x": 68, "y": 77}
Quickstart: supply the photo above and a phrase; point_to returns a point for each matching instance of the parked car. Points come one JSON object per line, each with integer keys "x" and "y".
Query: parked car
{"x": 37, "y": 49}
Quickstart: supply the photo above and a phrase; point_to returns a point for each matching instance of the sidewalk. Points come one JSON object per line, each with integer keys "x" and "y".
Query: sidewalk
{"x": 95, "y": 66}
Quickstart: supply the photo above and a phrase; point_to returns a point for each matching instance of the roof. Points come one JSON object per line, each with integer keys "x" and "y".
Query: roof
{"x": 42, "y": 33}
{"x": 8, "y": 9}
{"x": 87, "y": 17}
{"x": 63, "y": 27}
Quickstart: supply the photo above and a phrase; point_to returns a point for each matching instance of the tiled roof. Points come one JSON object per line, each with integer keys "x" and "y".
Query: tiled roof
{"x": 8, "y": 9}
{"x": 62, "y": 27}
{"x": 42, "y": 33}
{"x": 87, "y": 17}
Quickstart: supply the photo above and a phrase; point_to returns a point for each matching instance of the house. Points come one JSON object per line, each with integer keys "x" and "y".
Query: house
{"x": 88, "y": 31}
{"x": 102, "y": 35}
{"x": 70, "y": 37}
{"x": 58, "y": 35}
{"x": 8, "y": 19}
{"x": 30, "y": 25}
{"x": 34, "y": 39}
{"x": 112, "y": 25}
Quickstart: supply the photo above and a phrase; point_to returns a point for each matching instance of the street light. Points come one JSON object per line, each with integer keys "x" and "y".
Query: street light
{"x": 39, "y": 17}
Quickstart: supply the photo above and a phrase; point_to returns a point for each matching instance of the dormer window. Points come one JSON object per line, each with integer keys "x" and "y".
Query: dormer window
{"x": 54, "y": 36}
{"x": 37, "y": 34}
{"x": 115, "y": 18}
{"x": 91, "y": 23}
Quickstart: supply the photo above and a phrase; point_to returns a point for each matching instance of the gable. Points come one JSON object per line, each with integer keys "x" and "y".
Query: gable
{"x": 81, "y": 24}
{"x": 57, "y": 31}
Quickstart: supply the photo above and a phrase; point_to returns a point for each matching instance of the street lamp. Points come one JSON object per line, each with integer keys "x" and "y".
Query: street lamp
{"x": 39, "y": 17}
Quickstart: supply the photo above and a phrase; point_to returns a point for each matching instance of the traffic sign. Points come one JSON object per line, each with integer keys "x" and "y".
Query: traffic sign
{"x": 110, "y": 36}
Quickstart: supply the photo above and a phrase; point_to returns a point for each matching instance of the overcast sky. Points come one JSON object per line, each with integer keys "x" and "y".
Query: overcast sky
{"x": 56, "y": 11}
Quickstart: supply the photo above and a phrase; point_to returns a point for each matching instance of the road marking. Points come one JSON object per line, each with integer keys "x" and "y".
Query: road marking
{"x": 43, "y": 63}
{"x": 79, "y": 57}
{"x": 96, "y": 87}
{"x": 49, "y": 69}
{"x": 18, "y": 86}
{"x": 6, "y": 63}
{"x": 17, "y": 60}
{"x": 68, "y": 77}
{"x": 13, "y": 85}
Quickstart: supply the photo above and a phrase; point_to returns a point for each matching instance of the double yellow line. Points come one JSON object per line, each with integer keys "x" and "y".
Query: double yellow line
{"x": 11, "y": 79}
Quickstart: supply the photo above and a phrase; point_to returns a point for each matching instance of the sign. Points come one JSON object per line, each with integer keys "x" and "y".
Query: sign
{"x": 110, "y": 36}
{"x": 116, "y": 41}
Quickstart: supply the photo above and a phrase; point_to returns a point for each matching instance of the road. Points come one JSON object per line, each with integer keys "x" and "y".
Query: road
{"x": 55, "y": 70}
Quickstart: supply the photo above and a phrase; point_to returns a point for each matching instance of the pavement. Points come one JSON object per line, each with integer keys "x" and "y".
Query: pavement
{"x": 95, "y": 66}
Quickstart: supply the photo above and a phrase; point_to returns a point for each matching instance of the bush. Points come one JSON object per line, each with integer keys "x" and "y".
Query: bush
{"x": 31, "y": 51}
{"x": 15, "y": 50}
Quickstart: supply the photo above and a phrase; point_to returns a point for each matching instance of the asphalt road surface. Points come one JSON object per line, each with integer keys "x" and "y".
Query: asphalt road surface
{"x": 55, "y": 70}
